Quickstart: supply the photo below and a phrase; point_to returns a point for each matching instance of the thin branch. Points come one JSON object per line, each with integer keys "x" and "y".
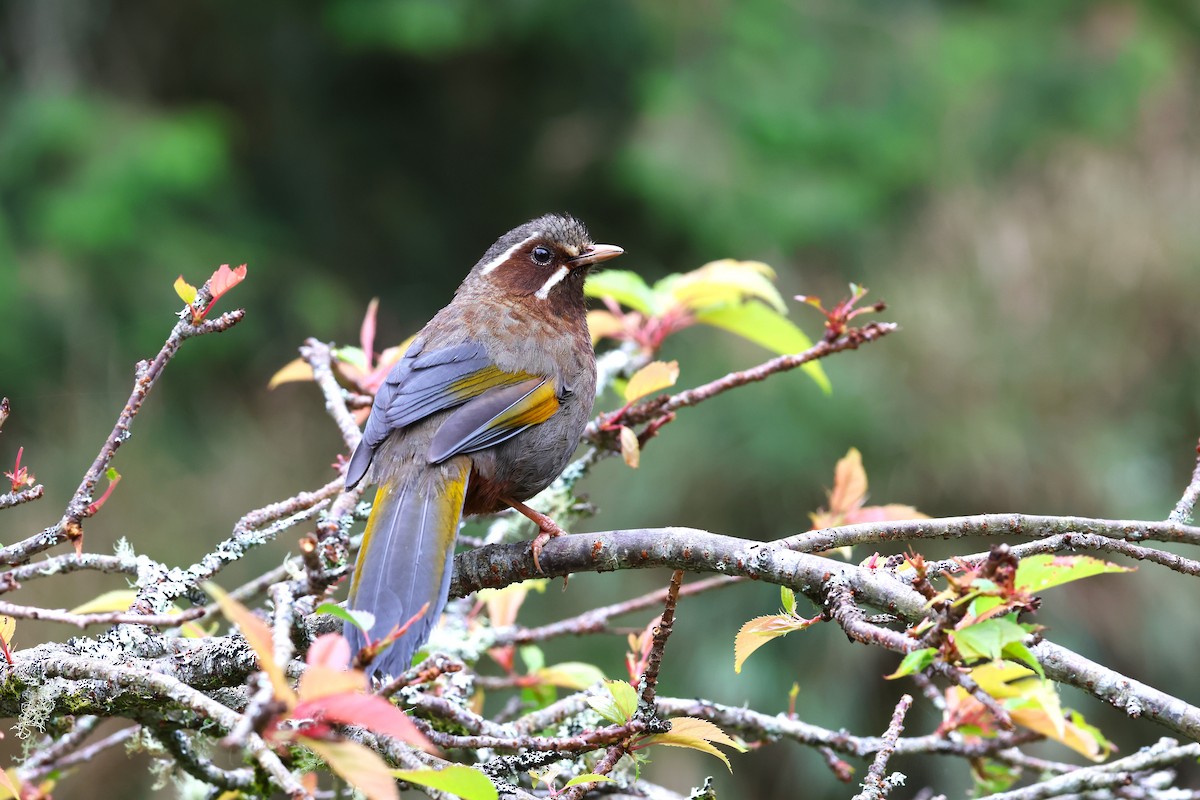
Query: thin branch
{"x": 107, "y": 618}
{"x": 596, "y": 620}
{"x": 1183, "y": 509}
{"x": 876, "y": 785}
{"x": 1077, "y": 541}
{"x": 169, "y": 688}
{"x": 1105, "y": 776}
{"x": 61, "y": 565}
{"x": 647, "y": 411}
{"x": 81, "y": 756}
{"x": 320, "y": 358}
{"x": 80, "y": 507}
{"x": 10, "y": 499}
{"x": 662, "y": 632}
{"x": 1030, "y": 525}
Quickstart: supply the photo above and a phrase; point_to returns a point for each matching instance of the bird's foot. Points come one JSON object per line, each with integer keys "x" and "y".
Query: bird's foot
{"x": 547, "y": 529}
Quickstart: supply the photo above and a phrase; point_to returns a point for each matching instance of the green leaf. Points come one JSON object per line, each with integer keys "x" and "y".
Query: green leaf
{"x": 766, "y": 327}
{"x": 915, "y": 661}
{"x": 619, "y": 706}
{"x": 533, "y": 657}
{"x": 353, "y": 356}
{"x": 788, "y": 598}
{"x": 988, "y": 639}
{"x": 1040, "y": 572}
{"x": 589, "y": 777}
{"x": 627, "y": 288}
{"x": 363, "y": 620}
{"x": 465, "y": 782}
{"x": 1017, "y": 651}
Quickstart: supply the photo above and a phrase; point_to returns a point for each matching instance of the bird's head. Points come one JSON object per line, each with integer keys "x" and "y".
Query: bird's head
{"x": 546, "y": 259}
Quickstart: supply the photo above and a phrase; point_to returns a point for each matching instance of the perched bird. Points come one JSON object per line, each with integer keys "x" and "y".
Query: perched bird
{"x": 483, "y": 411}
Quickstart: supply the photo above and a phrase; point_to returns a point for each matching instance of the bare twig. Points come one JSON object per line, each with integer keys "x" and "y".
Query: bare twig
{"x": 1183, "y": 509}
{"x": 662, "y": 631}
{"x": 80, "y": 506}
{"x": 1106, "y": 776}
{"x": 108, "y": 618}
{"x": 319, "y": 357}
{"x": 876, "y": 786}
{"x": 10, "y": 499}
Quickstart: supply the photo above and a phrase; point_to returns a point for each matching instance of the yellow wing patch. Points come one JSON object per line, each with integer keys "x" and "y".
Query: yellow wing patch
{"x": 537, "y": 406}
{"x": 478, "y": 382}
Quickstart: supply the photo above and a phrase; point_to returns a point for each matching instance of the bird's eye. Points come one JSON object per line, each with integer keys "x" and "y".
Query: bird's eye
{"x": 541, "y": 255}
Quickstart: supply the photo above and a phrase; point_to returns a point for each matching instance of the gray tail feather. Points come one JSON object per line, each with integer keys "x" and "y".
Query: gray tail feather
{"x": 406, "y": 560}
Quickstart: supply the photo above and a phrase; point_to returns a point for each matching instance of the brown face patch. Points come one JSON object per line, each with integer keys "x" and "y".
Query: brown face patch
{"x": 524, "y": 273}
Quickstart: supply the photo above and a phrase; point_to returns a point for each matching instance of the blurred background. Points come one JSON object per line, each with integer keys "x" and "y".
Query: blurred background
{"x": 1020, "y": 182}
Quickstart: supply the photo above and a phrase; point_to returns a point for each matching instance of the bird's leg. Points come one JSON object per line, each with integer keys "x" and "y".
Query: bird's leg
{"x": 547, "y": 528}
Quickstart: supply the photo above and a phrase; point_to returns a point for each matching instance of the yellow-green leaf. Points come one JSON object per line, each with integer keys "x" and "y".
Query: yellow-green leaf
{"x": 571, "y": 675}
{"x": 766, "y": 327}
{"x": 258, "y": 636}
{"x": 116, "y": 600}
{"x": 627, "y": 288}
{"x": 697, "y": 734}
{"x": 588, "y": 777}
{"x": 1042, "y": 571}
{"x": 362, "y": 768}
{"x": 465, "y": 782}
{"x": 760, "y": 630}
{"x": 649, "y": 379}
{"x": 631, "y": 448}
{"x": 619, "y": 705}
{"x": 186, "y": 292}
{"x": 722, "y": 282}
{"x": 297, "y": 370}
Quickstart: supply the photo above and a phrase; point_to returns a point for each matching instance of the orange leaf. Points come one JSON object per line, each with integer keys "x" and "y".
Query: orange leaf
{"x": 363, "y": 768}
{"x": 368, "y": 710}
{"x": 650, "y": 378}
{"x": 631, "y": 450}
{"x": 297, "y": 370}
{"x": 258, "y": 636}
{"x": 849, "y": 484}
{"x": 225, "y": 279}
{"x": 760, "y": 630}
{"x": 366, "y": 332}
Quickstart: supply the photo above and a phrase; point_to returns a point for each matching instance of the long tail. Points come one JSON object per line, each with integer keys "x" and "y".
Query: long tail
{"x": 406, "y": 558}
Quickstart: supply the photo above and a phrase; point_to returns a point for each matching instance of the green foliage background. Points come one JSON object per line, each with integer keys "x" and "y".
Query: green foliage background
{"x": 1020, "y": 181}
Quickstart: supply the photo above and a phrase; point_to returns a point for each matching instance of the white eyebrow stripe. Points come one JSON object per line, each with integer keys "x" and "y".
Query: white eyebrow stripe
{"x": 551, "y": 282}
{"x": 500, "y": 259}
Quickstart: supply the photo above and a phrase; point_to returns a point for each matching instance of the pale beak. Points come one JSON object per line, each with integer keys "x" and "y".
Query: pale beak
{"x": 594, "y": 255}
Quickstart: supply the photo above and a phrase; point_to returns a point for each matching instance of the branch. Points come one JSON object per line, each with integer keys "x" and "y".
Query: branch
{"x": 1183, "y": 509}
{"x": 700, "y": 551}
{"x": 80, "y": 507}
{"x": 877, "y": 786}
{"x": 10, "y": 499}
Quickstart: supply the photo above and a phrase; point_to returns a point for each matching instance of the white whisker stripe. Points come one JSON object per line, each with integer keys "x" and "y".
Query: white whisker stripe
{"x": 551, "y": 282}
{"x": 500, "y": 259}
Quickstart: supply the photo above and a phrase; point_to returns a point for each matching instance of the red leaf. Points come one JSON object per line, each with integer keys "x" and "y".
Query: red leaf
{"x": 368, "y": 710}
{"x": 225, "y": 279}
{"x": 329, "y": 650}
{"x": 366, "y": 334}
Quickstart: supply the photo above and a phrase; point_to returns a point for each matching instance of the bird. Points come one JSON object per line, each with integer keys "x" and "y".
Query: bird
{"x": 483, "y": 411}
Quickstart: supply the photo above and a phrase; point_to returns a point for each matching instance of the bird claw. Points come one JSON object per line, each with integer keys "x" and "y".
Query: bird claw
{"x": 547, "y": 530}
